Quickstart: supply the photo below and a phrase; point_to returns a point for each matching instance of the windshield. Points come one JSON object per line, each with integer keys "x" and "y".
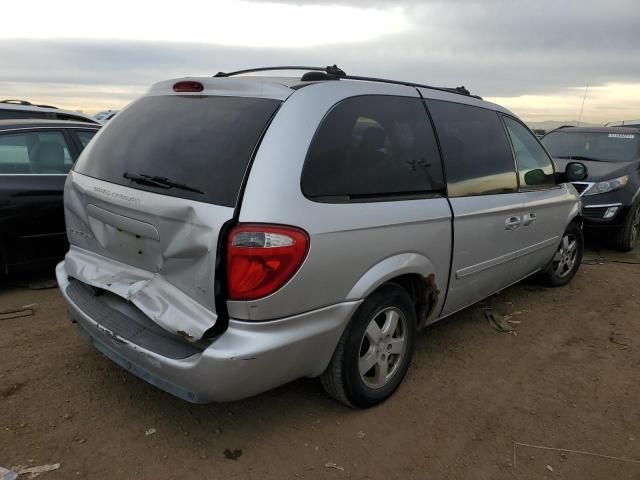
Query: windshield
{"x": 194, "y": 147}
{"x": 603, "y": 146}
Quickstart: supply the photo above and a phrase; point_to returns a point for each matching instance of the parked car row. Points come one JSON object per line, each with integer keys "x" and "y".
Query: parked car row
{"x": 231, "y": 234}
{"x": 21, "y": 109}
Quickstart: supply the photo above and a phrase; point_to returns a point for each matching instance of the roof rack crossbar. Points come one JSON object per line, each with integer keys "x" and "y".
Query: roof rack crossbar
{"x": 334, "y": 72}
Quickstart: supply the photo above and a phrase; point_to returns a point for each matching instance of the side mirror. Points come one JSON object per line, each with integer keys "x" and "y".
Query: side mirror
{"x": 575, "y": 172}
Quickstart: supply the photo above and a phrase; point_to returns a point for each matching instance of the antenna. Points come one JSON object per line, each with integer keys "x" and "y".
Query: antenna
{"x": 586, "y": 89}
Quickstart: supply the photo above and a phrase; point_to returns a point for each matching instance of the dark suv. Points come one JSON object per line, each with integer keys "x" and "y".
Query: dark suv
{"x": 610, "y": 197}
{"x": 35, "y": 157}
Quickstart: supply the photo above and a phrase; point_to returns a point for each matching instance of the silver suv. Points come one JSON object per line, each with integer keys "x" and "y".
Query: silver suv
{"x": 232, "y": 234}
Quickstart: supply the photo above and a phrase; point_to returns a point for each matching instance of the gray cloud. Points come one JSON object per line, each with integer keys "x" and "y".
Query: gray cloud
{"x": 495, "y": 48}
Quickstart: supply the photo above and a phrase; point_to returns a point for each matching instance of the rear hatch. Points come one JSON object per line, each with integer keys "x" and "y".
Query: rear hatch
{"x": 150, "y": 195}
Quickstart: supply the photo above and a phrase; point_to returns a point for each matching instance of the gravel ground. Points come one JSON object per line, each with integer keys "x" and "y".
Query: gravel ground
{"x": 567, "y": 380}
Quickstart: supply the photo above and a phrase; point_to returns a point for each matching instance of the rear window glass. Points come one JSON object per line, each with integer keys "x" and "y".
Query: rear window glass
{"x": 201, "y": 143}
{"x": 611, "y": 147}
{"x": 371, "y": 146}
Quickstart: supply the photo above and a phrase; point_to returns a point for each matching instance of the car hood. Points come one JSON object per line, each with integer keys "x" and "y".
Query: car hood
{"x": 600, "y": 170}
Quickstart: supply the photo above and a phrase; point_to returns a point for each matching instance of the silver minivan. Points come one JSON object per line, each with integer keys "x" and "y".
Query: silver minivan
{"x": 234, "y": 233}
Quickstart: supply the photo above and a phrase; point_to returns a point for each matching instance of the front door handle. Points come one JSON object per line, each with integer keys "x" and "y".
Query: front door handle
{"x": 512, "y": 222}
{"x": 529, "y": 218}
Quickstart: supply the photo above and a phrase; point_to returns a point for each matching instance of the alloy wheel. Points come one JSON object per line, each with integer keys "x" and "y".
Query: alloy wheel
{"x": 566, "y": 256}
{"x": 382, "y": 347}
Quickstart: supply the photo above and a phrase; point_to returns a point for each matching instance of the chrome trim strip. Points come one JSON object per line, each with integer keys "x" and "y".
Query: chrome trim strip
{"x": 603, "y": 205}
{"x": 494, "y": 262}
{"x": 537, "y": 246}
{"x": 33, "y": 174}
{"x": 40, "y": 235}
{"x": 92, "y": 126}
{"x": 480, "y": 267}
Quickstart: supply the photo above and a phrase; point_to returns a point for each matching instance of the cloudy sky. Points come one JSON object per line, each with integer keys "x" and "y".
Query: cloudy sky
{"x": 533, "y": 56}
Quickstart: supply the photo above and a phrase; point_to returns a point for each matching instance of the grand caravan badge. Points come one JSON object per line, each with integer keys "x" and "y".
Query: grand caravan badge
{"x": 118, "y": 195}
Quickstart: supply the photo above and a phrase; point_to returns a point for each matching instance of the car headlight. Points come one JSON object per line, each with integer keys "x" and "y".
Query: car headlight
{"x": 608, "y": 185}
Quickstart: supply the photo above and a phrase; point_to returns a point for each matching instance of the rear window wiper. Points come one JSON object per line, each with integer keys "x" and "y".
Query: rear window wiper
{"x": 160, "y": 182}
{"x": 580, "y": 157}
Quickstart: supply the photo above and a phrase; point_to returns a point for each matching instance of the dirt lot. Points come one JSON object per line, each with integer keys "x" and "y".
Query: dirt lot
{"x": 568, "y": 379}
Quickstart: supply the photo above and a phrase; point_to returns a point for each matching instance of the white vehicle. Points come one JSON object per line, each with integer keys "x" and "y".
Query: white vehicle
{"x": 17, "y": 109}
{"x": 106, "y": 115}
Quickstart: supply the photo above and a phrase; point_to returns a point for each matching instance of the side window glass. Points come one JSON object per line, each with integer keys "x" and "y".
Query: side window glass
{"x": 84, "y": 136}
{"x": 476, "y": 150}
{"x": 372, "y": 146}
{"x": 34, "y": 152}
{"x": 534, "y": 165}
{"x": 15, "y": 114}
{"x": 14, "y": 154}
{"x": 47, "y": 150}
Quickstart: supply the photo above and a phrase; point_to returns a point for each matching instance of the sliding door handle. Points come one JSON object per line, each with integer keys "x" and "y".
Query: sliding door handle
{"x": 512, "y": 222}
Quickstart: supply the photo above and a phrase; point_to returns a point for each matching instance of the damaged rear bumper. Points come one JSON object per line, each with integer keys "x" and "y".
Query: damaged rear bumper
{"x": 247, "y": 359}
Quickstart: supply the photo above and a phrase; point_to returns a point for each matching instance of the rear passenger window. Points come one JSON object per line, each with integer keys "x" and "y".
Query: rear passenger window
{"x": 372, "y": 146}
{"x": 534, "y": 165}
{"x": 477, "y": 155}
{"x": 34, "y": 152}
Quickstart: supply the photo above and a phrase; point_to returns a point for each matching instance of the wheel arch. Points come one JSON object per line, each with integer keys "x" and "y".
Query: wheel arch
{"x": 412, "y": 271}
{"x": 575, "y": 214}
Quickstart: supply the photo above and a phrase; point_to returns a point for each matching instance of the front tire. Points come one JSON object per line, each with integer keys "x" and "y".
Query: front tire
{"x": 375, "y": 350}
{"x": 626, "y": 237}
{"x": 567, "y": 259}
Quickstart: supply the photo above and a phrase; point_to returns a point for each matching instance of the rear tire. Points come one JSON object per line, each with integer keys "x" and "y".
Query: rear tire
{"x": 626, "y": 238}
{"x": 566, "y": 261}
{"x": 375, "y": 350}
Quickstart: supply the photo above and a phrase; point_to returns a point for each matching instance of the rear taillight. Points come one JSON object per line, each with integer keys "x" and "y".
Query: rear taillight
{"x": 262, "y": 258}
{"x": 188, "y": 86}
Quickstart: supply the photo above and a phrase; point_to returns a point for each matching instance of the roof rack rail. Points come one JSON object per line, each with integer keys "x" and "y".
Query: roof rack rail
{"x": 25, "y": 103}
{"x": 16, "y": 102}
{"x": 623, "y": 123}
{"x": 333, "y": 72}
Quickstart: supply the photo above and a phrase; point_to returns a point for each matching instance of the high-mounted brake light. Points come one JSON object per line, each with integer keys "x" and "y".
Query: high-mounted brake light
{"x": 188, "y": 86}
{"x": 262, "y": 258}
